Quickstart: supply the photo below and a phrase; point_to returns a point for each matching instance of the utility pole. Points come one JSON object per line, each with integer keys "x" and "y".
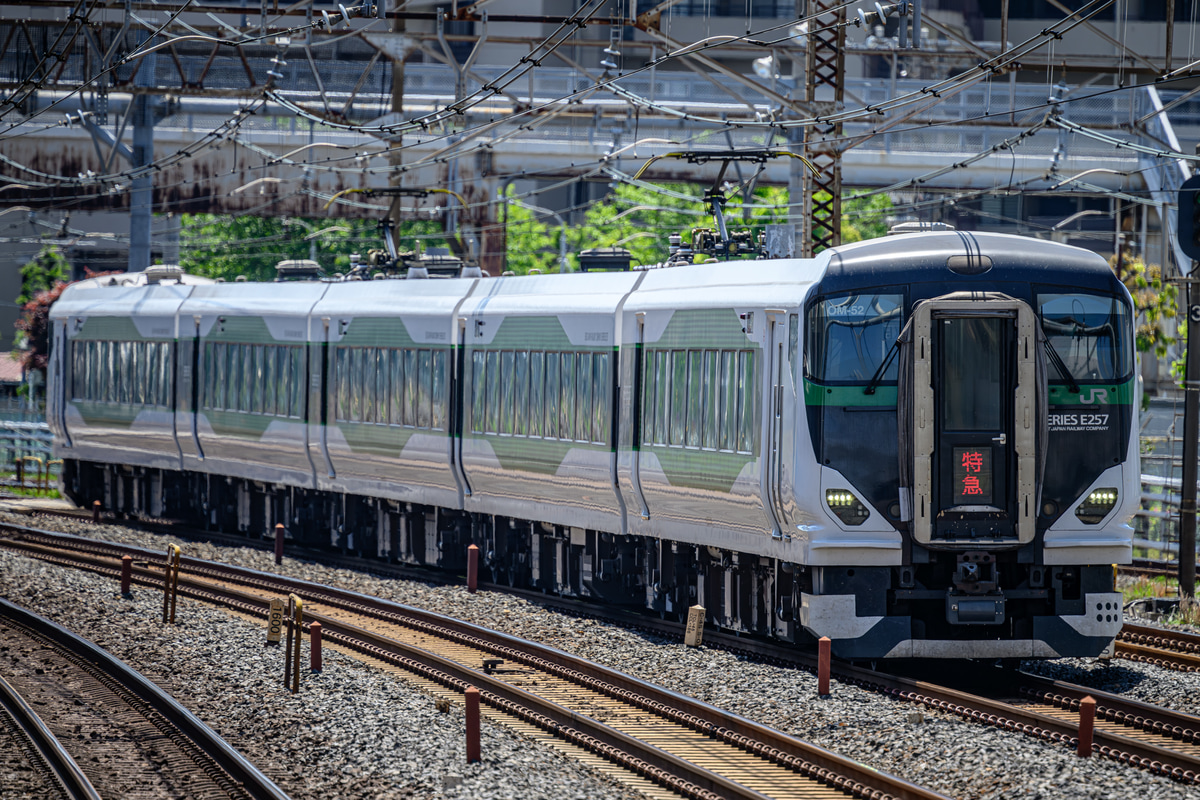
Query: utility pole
{"x": 1191, "y": 442}
{"x": 141, "y": 192}
{"x": 1189, "y": 241}
{"x": 395, "y": 159}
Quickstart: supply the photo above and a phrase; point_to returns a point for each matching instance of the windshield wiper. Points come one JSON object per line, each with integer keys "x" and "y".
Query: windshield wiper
{"x": 1057, "y": 361}
{"x": 878, "y": 376}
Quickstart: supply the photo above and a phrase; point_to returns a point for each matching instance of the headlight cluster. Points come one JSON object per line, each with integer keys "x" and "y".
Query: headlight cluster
{"x": 1097, "y": 505}
{"x": 846, "y": 507}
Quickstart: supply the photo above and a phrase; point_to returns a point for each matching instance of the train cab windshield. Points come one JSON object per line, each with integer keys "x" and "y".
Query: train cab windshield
{"x": 1089, "y": 332}
{"x": 851, "y": 335}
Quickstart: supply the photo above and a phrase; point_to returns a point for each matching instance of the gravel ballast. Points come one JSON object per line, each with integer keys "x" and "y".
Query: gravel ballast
{"x": 353, "y": 731}
{"x": 362, "y": 727}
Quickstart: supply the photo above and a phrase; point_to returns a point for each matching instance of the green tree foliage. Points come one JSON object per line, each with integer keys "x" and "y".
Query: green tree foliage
{"x": 636, "y": 217}
{"x": 1156, "y": 302}
{"x": 641, "y": 218}
{"x": 44, "y": 271}
{"x": 226, "y": 247}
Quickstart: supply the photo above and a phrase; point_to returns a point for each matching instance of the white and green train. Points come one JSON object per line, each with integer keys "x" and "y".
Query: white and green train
{"x": 919, "y": 446}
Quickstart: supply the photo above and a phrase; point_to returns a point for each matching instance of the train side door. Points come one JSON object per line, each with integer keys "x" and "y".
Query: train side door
{"x": 974, "y": 426}
{"x": 56, "y": 403}
{"x": 776, "y": 359}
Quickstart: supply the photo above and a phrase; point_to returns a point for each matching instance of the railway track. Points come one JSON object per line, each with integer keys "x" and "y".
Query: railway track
{"x": 1172, "y": 649}
{"x": 130, "y": 737}
{"x": 1134, "y": 733}
{"x": 46, "y": 752}
{"x": 691, "y": 748}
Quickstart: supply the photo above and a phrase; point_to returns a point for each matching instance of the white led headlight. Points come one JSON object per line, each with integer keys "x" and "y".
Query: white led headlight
{"x": 1097, "y": 505}
{"x": 846, "y": 507}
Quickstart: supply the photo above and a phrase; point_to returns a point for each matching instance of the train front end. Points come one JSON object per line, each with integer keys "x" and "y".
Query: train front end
{"x": 972, "y": 396}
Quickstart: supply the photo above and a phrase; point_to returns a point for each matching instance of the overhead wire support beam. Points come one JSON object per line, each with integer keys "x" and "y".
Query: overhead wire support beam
{"x": 824, "y": 93}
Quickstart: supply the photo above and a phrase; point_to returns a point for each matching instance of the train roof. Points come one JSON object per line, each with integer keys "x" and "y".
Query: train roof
{"x": 962, "y": 257}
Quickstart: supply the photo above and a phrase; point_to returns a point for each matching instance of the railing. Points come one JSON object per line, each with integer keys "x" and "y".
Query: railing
{"x": 26, "y": 457}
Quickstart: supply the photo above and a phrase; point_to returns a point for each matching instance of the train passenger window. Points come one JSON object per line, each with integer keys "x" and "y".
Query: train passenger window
{"x": 216, "y": 391}
{"x": 566, "y": 401}
{"x": 678, "y": 391}
{"x": 358, "y": 384}
{"x": 747, "y": 430}
{"x": 710, "y": 400}
{"x": 341, "y": 376}
{"x": 729, "y": 407}
{"x": 233, "y": 374}
{"x": 79, "y": 376}
{"x": 793, "y": 336}
{"x": 162, "y": 369}
{"x": 583, "y": 397}
{"x": 296, "y": 382}
{"x": 258, "y": 373}
{"x": 156, "y": 374}
{"x": 521, "y": 393}
{"x": 478, "y": 384}
{"x": 439, "y": 390}
{"x": 552, "y": 395}
{"x": 384, "y": 388}
{"x": 397, "y": 395}
{"x": 246, "y": 396}
{"x": 379, "y": 377}
{"x": 1091, "y": 334}
{"x": 122, "y": 372}
{"x": 270, "y": 387}
{"x": 112, "y": 388}
{"x": 492, "y": 403}
{"x": 141, "y": 375}
{"x": 410, "y": 387}
{"x": 603, "y": 393}
{"x": 79, "y": 371}
{"x": 850, "y": 335}
{"x": 537, "y": 394}
{"x": 291, "y": 382}
{"x": 425, "y": 390}
{"x": 695, "y": 398}
{"x": 95, "y": 371}
{"x": 507, "y": 370}
{"x": 283, "y": 389}
{"x": 370, "y": 384}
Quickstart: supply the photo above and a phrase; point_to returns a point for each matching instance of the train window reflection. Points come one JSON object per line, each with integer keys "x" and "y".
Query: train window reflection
{"x": 1090, "y": 333}
{"x": 850, "y": 335}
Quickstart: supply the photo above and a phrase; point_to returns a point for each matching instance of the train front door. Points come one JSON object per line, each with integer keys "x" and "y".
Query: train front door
{"x": 973, "y": 365}
{"x": 975, "y": 423}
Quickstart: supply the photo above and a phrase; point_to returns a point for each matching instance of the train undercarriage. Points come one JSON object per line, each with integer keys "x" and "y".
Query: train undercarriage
{"x": 948, "y": 598}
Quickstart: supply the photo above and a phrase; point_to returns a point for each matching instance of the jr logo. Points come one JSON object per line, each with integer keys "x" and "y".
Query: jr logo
{"x": 1094, "y": 396}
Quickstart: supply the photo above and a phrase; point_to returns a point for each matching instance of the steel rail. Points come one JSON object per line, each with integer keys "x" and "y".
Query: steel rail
{"x": 805, "y": 758}
{"x": 244, "y": 774}
{"x": 57, "y": 760}
{"x": 1125, "y": 711}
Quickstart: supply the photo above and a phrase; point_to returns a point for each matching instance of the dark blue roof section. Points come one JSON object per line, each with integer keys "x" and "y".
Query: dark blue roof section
{"x": 921, "y": 258}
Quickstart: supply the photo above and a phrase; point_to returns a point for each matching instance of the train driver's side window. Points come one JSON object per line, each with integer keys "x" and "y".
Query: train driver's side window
{"x": 851, "y": 335}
